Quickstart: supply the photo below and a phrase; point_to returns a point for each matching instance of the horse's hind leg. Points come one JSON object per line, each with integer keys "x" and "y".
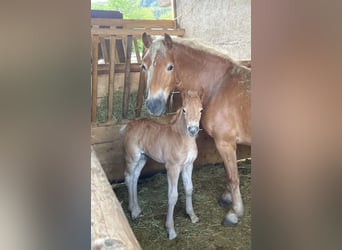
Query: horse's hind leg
{"x": 227, "y": 150}
{"x": 187, "y": 182}
{"x": 132, "y": 174}
{"x": 172, "y": 180}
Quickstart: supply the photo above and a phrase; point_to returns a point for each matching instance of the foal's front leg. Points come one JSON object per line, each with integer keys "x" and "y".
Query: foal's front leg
{"x": 187, "y": 182}
{"x": 172, "y": 179}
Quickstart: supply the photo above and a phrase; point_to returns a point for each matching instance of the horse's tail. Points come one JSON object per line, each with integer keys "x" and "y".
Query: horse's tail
{"x": 123, "y": 129}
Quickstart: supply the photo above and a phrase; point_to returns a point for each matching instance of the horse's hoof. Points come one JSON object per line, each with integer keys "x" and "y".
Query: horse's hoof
{"x": 230, "y": 220}
{"x": 224, "y": 203}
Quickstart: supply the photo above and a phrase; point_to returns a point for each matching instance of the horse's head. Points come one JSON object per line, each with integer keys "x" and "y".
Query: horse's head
{"x": 159, "y": 66}
{"x": 192, "y": 110}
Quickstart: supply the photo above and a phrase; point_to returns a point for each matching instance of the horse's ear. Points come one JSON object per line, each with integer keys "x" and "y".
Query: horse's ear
{"x": 168, "y": 41}
{"x": 147, "y": 40}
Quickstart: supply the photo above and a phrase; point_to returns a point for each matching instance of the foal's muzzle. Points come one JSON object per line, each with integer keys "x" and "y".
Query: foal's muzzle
{"x": 193, "y": 130}
{"x": 156, "y": 106}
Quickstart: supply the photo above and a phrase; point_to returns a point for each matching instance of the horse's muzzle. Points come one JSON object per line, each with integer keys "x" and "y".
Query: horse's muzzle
{"x": 193, "y": 130}
{"x": 156, "y": 106}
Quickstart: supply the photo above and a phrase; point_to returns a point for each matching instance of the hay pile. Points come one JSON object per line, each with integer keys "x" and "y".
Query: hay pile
{"x": 209, "y": 183}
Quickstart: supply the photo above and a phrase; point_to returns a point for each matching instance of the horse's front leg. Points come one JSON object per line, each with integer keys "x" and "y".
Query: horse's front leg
{"x": 227, "y": 150}
{"x": 172, "y": 179}
{"x": 187, "y": 182}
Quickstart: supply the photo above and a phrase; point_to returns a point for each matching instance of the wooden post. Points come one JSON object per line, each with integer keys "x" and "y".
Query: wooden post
{"x": 111, "y": 77}
{"x": 174, "y": 12}
{"x": 141, "y": 91}
{"x": 137, "y": 52}
{"x": 94, "y": 77}
{"x": 109, "y": 226}
{"x": 127, "y": 82}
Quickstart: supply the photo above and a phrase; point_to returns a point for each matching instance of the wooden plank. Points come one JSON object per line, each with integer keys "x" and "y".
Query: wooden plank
{"x": 104, "y": 49}
{"x": 111, "y": 77}
{"x": 131, "y": 23}
{"x": 136, "y": 33}
{"x": 127, "y": 82}
{"x": 109, "y": 226}
{"x": 141, "y": 90}
{"x": 94, "y": 76}
{"x": 137, "y": 52}
{"x": 119, "y": 68}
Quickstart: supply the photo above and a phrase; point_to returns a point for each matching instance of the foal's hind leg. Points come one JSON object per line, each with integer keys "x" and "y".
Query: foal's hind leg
{"x": 132, "y": 174}
{"x": 227, "y": 150}
{"x": 187, "y": 182}
{"x": 172, "y": 180}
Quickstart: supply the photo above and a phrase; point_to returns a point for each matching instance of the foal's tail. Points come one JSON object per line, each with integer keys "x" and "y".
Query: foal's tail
{"x": 123, "y": 129}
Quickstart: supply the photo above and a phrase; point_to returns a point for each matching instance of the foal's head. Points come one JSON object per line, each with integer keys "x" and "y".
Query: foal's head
{"x": 192, "y": 110}
{"x": 158, "y": 65}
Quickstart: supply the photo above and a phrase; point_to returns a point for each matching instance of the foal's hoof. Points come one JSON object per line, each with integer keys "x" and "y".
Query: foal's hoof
{"x": 172, "y": 235}
{"x": 224, "y": 203}
{"x": 135, "y": 213}
{"x": 194, "y": 219}
{"x": 230, "y": 220}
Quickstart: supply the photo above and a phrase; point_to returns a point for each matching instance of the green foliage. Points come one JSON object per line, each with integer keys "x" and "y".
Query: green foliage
{"x": 129, "y": 8}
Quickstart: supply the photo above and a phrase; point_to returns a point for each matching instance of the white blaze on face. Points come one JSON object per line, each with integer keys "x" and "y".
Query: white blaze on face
{"x": 156, "y": 46}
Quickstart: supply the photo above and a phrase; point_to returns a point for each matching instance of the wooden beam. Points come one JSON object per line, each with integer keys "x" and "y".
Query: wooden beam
{"x": 137, "y": 33}
{"x": 141, "y": 90}
{"x": 119, "y": 68}
{"x": 131, "y": 23}
{"x": 127, "y": 82}
{"x": 109, "y": 226}
{"x": 111, "y": 77}
{"x": 95, "y": 58}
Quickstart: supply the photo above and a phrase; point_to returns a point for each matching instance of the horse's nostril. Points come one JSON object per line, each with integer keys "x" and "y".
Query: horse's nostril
{"x": 155, "y": 106}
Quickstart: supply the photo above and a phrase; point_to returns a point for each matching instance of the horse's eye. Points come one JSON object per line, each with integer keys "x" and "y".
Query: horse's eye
{"x": 201, "y": 111}
{"x": 143, "y": 67}
{"x": 184, "y": 110}
{"x": 170, "y": 67}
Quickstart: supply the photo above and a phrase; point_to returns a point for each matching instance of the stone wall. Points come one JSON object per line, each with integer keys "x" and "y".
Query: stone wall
{"x": 225, "y": 24}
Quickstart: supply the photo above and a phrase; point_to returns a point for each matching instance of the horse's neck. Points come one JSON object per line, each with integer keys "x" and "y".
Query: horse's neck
{"x": 198, "y": 69}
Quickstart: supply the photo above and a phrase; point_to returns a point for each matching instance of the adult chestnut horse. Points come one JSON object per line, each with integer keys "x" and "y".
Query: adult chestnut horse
{"x": 180, "y": 63}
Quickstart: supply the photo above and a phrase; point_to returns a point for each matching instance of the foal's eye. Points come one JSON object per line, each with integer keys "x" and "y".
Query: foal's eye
{"x": 170, "y": 67}
{"x": 184, "y": 110}
{"x": 201, "y": 111}
{"x": 143, "y": 67}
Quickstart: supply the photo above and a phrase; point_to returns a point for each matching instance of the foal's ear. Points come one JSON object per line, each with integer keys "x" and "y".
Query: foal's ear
{"x": 168, "y": 41}
{"x": 147, "y": 40}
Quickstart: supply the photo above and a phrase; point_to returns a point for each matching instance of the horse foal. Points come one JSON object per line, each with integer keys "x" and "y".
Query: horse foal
{"x": 173, "y": 144}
